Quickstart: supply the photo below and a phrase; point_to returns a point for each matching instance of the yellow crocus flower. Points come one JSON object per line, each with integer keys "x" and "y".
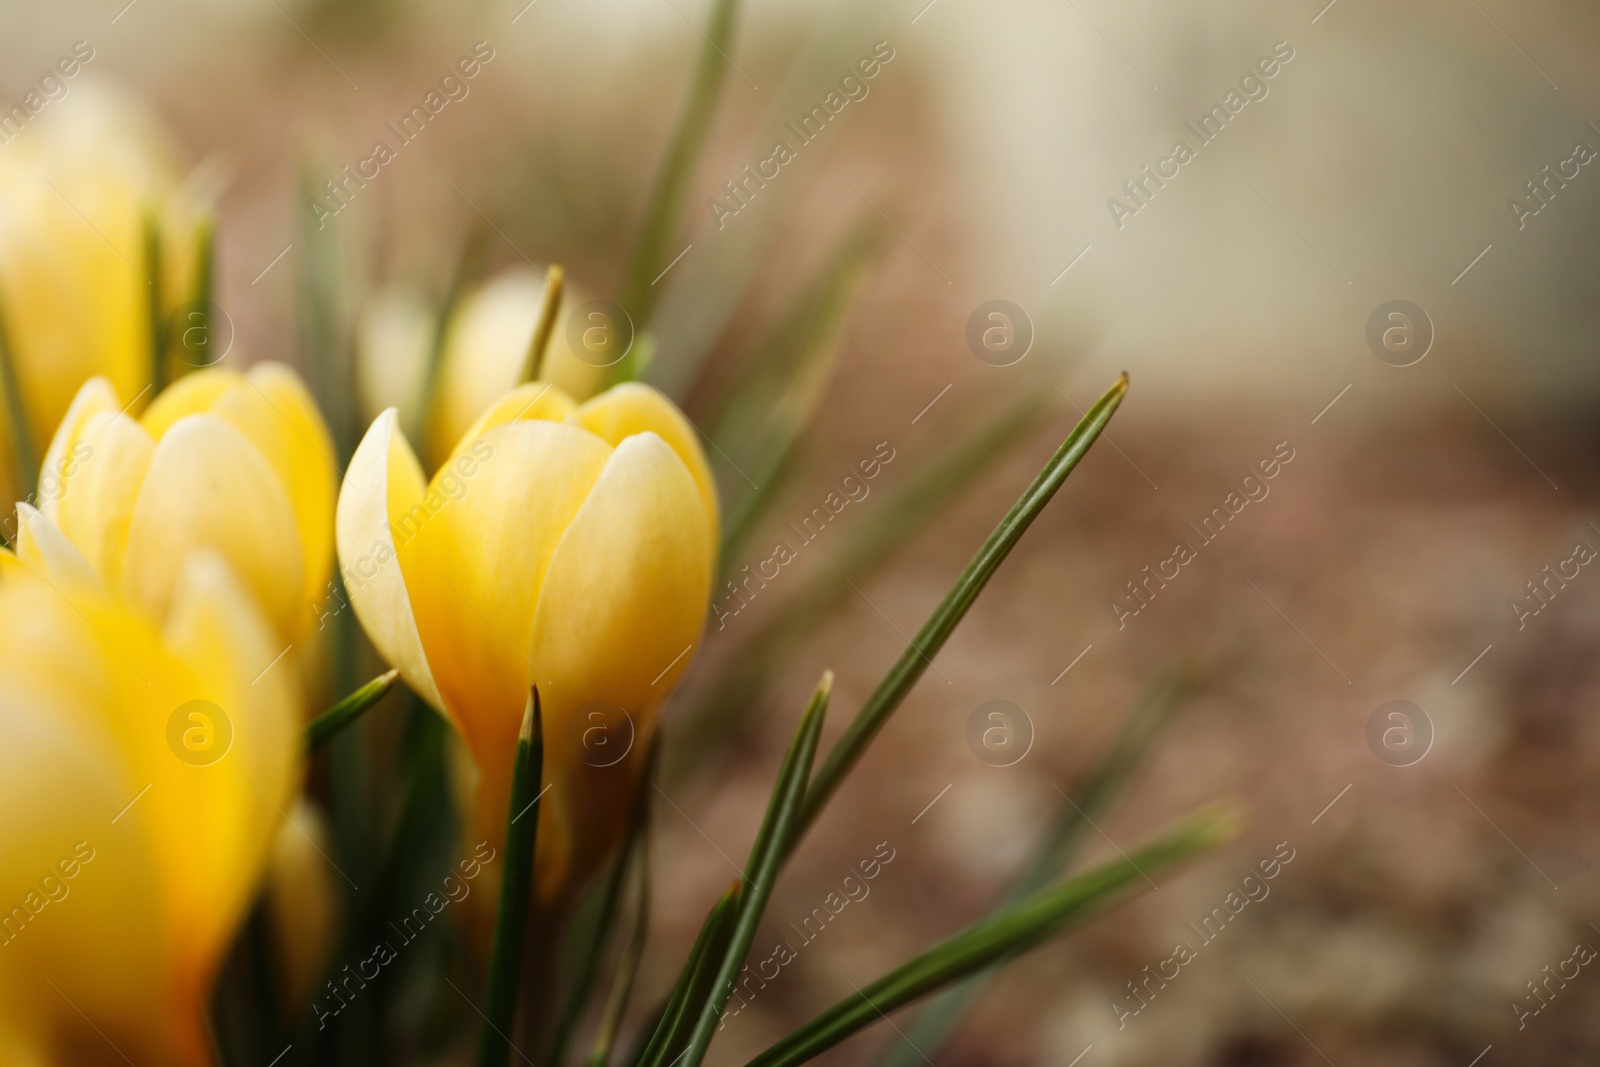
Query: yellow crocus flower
{"x": 76, "y": 189}
{"x": 144, "y": 769}
{"x": 239, "y": 463}
{"x": 484, "y": 352}
{"x": 564, "y": 545}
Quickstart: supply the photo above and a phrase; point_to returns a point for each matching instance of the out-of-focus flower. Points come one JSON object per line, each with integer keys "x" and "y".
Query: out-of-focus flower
{"x": 143, "y": 770}
{"x": 239, "y": 463}
{"x": 560, "y": 545}
{"x": 76, "y": 188}
{"x": 302, "y": 905}
{"x": 485, "y": 350}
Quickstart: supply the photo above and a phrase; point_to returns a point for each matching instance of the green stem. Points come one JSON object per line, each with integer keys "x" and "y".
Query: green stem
{"x": 555, "y": 281}
{"x": 158, "y": 330}
{"x": 511, "y": 920}
{"x": 589, "y": 963}
{"x": 628, "y": 966}
{"x": 204, "y": 285}
{"x": 22, "y": 450}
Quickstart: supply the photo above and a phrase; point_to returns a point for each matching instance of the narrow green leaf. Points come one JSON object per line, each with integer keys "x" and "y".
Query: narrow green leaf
{"x": 638, "y": 293}
{"x": 555, "y": 281}
{"x": 950, "y": 611}
{"x": 582, "y": 980}
{"x": 22, "y": 451}
{"x": 939, "y": 1019}
{"x": 694, "y": 982}
{"x": 774, "y": 401}
{"x": 1013, "y": 929}
{"x": 779, "y": 828}
{"x": 205, "y": 257}
{"x": 628, "y": 966}
{"x": 325, "y": 726}
{"x": 153, "y": 301}
{"x": 516, "y": 884}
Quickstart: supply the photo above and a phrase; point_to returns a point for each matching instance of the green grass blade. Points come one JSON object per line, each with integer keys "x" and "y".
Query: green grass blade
{"x": 939, "y": 1019}
{"x": 555, "y": 283}
{"x": 779, "y": 828}
{"x": 774, "y": 401}
{"x": 950, "y": 611}
{"x": 694, "y": 982}
{"x": 153, "y": 299}
{"x": 22, "y": 451}
{"x": 199, "y": 318}
{"x": 467, "y": 268}
{"x": 637, "y": 293}
{"x": 628, "y": 966}
{"x": 582, "y": 981}
{"x": 511, "y": 919}
{"x": 325, "y": 726}
{"x": 1017, "y": 928}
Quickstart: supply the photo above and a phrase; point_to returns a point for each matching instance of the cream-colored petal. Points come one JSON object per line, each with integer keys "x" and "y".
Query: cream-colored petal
{"x": 393, "y": 339}
{"x": 102, "y": 474}
{"x": 95, "y": 397}
{"x": 209, "y": 487}
{"x": 632, "y": 408}
{"x": 475, "y": 553}
{"x": 383, "y": 475}
{"x": 42, "y": 545}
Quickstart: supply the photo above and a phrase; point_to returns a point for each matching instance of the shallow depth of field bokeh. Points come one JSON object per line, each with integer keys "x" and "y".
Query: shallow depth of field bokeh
{"x": 1385, "y": 559}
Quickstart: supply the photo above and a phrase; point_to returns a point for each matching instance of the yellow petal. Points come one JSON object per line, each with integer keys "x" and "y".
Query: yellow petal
{"x": 530, "y": 400}
{"x": 476, "y": 551}
{"x": 208, "y": 486}
{"x": 622, "y": 608}
{"x": 383, "y": 477}
{"x": 238, "y": 802}
{"x": 168, "y": 848}
{"x": 633, "y": 408}
{"x": 274, "y": 410}
{"x": 190, "y": 395}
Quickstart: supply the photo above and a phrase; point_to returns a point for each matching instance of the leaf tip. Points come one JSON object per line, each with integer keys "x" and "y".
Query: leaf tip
{"x": 530, "y": 716}
{"x": 1218, "y": 822}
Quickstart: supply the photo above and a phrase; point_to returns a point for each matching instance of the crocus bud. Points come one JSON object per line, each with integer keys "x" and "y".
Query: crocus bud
{"x": 238, "y": 463}
{"x": 484, "y": 354}
{"x": 560, "y": 545}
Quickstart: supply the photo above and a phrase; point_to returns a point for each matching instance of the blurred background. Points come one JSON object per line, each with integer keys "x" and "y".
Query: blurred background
{"x": 1416, "y": 540}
